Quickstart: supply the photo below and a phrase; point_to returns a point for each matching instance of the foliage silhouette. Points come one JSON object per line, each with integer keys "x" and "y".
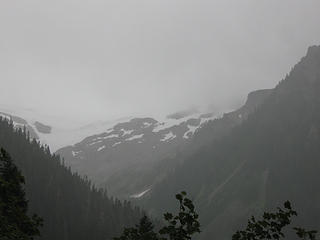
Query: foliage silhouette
{"x": 143, "y": 231}
{"x": 179, "y": 227}
{"x": 271, "y": 226}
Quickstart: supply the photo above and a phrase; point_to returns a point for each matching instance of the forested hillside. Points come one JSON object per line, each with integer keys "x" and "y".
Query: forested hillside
{"x": 271, "y": 157}
{"x": 69, "y": 205}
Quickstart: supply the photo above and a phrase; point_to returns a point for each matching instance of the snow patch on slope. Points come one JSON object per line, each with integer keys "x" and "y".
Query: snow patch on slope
{"x": 101, "y": 148}
{"x": 191, "y": 131}
{"x": 168, "y": 136}
{"x": 146, "y": 124}
{"x": 75, "y": 153}
{"x": 126, "y": 132}
{"x": 139, "y": 195}
{"x": 168, "y": 123}
{"x": 95, "y": 142}
{"x": 115, "y": 144}
{"x": 134, "y": 137}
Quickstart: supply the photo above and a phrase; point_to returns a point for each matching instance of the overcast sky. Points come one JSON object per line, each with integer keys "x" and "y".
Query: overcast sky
{"x": 100, "y": 59}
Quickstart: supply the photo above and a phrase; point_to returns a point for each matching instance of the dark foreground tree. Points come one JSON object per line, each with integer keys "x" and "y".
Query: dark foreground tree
{"x": 179, "y": 227}
{"x": 185, "y": 224}
{"x": 272, "y": 226}
{"x": 14, "y": 221}
{"x": 143, "y": 231}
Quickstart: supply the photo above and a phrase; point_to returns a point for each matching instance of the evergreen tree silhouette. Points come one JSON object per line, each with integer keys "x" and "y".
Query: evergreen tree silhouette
{"x": 143, "y": 231}
{"x": 14, "y": 220}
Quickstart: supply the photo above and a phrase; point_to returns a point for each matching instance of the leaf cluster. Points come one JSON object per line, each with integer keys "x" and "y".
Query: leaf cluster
{"x": 185, "y": 223}
{"x": 271, "y": 226}
{"x": 179, "y": 227}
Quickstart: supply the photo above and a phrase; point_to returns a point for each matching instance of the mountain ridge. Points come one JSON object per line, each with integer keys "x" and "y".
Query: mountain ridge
{"x": 271, "y": 157}
{"x": 145, "y": 143}
{"x": 129, "y": 153}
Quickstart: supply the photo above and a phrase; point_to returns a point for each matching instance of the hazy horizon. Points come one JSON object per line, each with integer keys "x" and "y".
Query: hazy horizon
{"x": 99, "y": 60}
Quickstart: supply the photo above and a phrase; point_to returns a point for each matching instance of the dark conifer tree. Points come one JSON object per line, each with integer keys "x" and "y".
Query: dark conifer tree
{"x": 143, "y": 231}
{"x": 14, "y": 220}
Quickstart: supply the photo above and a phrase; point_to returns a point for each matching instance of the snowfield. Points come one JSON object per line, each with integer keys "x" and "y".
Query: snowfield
{"x": 64, "y": 133}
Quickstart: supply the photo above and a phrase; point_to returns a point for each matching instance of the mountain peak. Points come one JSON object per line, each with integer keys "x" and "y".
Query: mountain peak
{"x": 256, "y": 97}
{"x": 313, "y": 50}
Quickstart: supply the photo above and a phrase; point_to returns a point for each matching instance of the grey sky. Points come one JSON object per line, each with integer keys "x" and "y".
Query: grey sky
{"x": 110, "y": 58}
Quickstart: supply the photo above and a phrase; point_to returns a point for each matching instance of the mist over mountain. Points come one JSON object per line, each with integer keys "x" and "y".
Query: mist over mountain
{"x": 163, "y": 119}
{"x": 234, "y": 165}
{"x": 271, "y": 156}
{"x": 109, "y": 59}
{"x": 131, "y": 157}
